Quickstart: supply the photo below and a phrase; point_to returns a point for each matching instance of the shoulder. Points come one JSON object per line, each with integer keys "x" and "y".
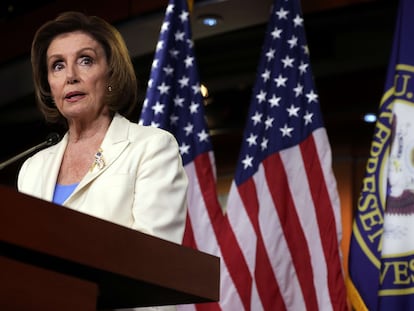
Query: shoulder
{"x": 147, "y": 130}
{"x": 137, "y": 132}
{"x": 154, "y": 138}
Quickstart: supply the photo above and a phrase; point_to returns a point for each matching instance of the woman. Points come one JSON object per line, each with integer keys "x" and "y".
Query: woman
{"x": 105, "y": 165}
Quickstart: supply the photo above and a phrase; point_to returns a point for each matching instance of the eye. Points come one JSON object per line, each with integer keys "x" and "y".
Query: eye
{"x": 86, "y": 60}
{"x": 57, "y": 66}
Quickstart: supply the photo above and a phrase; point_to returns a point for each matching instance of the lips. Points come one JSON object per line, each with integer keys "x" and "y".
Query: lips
{"x": 73, "y": 96}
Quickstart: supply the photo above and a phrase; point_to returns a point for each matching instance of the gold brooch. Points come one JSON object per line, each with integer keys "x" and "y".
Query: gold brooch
{"x": 99, "y": 160}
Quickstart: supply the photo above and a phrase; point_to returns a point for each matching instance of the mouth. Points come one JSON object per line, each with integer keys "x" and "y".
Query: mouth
{"x": 73, "y": 96}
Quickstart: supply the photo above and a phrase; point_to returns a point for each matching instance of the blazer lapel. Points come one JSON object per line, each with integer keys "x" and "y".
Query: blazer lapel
{"x": 51, "y": 168}
{"x": 114, "y": 143}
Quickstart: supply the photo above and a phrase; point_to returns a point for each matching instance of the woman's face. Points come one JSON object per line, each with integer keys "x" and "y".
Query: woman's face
{"x": 78, "y": 76}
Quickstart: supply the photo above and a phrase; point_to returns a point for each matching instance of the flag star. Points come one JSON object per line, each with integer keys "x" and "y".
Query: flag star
{"x": 179, "y": 35}
{"x": 257, "y": 118}
{"x": 188, "y": 129}
{"x": 163, "y": 88}
{"x": 154, "y": 63}
{"x": 165, "y": 26}
{"x": 263, "y": 144}
{"x": 178, "y": 101}
{"x": 270, "y": 54}
{"x": 276, "y": 33}
{"x": 173, "y": 119}
{"x": 269, "y": 122}
{"x": 160, "y": 45}
{"x": 274, "y": 101}
{"x": 190, "y": 43}
{"x": 203, "y": 135}
{"x": 288, "y": 61}
{"x": 184, "y": 16}
{"x": 247, "y": 161}
{"x": 194, "y": 107}
{"x": 308, "y": 117}
{"x": 261, "y": 96}
{"x": 154, "y": 124}
{"x": 280, "y": 80}
{"x": 158, "y": 108}
{"x": 298, "y": 90}
{"x": 266, "y": 75}
{"x": 175, "y": 99}
{"x": 303, "y": 67}
{"x": 150, "y": 83}
{"x": 252, "y": 139}
{"x": 174, "y": 53}
{"x": 293, "y": 111}
{"x": 184, "y": 148}
{"x": 305, "y": 49}
{"x": 170, "y": 9}
{"x": 269, "y": 131}
{"x": 293, "y": 42}
{"x": 188, "y": 61}
{"x": 168, "y": 70}
{"x": 196, "y": 88}
{"x": 282, "y": 14}
{"x": 145, "y": 104}
{"x": 286, "y": 131}
{"x": 298, "y": 21}
{"x": 183, "y": 81}
{"x": 312, "y": 97}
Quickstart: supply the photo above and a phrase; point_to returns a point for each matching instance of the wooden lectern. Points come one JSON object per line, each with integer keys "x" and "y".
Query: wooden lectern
{"x": 55, "y": 258}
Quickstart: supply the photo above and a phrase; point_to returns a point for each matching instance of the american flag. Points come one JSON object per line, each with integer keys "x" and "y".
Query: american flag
{"x": 174, "y": 102}
{"x": 283, "y": 206}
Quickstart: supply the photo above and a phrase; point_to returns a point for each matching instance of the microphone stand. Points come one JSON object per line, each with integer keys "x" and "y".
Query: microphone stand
{"x": 51, "y": 140}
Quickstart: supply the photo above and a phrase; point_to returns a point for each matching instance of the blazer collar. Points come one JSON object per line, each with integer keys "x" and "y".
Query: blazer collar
{"x": 115, "y": 141}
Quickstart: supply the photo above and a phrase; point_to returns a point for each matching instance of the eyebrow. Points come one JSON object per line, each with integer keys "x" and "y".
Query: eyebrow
{"x": 78, "y": 52}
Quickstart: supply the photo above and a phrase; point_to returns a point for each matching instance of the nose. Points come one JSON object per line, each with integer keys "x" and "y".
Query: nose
{"x": 71, "y": 75}
{"x": 71, "y": 80}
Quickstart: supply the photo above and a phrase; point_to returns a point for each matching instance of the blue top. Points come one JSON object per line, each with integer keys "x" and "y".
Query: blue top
{"x": 62, "y": 192}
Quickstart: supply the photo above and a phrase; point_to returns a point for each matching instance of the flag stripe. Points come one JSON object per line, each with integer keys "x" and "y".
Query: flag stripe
{"x": 188, "y": 238}
{"x": 265, "y": 281}
{"x": 207, "y": 231}
{"x": 174, "y": 102}
{"x": 325, "y": 160}
{"x": 197, "y": 216}
{"x": 277, "y": 248}
{"x": 327, "y": 220}
{"x": 269, "y": 240}
{"x": 235, "y": 259}
{"x": 298, "y": 181}
{"x": 292, "y": 228}
{"x": 274, "y": 202}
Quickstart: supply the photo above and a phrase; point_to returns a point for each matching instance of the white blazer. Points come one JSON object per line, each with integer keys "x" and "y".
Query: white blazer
{"x": 142, "y": 186}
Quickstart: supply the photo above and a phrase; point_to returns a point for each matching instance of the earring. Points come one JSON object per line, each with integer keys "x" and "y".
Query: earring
{"x": 109, "y": 88}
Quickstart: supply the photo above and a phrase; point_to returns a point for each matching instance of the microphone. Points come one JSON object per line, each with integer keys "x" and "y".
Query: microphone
{"x": 51, "y": 139}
